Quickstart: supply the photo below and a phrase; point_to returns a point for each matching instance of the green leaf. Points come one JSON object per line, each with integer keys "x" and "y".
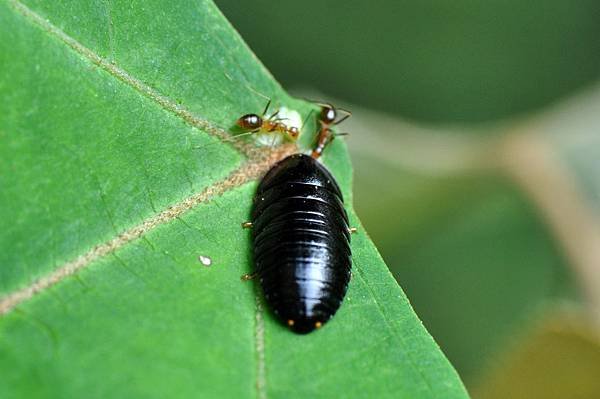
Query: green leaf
{"x": 116, "y": 175}
{"x": 558, "y": 358}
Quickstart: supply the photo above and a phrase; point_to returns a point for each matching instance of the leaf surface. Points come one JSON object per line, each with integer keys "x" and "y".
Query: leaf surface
{"x": 117, "y": 175}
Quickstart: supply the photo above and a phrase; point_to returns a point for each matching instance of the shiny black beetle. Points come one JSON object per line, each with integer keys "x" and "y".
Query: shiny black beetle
{"x": 301, "y": 237}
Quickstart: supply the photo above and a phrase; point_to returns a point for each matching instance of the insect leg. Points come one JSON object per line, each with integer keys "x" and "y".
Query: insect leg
{"x": 306, "y": 119}
{"x": 248, "y": 277}
{"x": 267, "y": 107}
{"x": 274, "y": 140}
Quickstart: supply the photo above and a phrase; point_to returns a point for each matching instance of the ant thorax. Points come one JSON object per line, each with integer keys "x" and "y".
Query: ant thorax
{"x": 285, "y": 116}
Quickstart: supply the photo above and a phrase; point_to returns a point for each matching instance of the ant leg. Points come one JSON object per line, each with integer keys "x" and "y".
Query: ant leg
{"x": 274, "y": 140}
{"x": 306, "y": 119}
{"x": 267, "y": 107}
{"x": 272, "y": 117}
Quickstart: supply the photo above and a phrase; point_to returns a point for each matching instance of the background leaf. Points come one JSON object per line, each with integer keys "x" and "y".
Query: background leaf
{"x": 559, "y": 359}
{"x": 108, "y": 206}
{"x": 429, "y": 60}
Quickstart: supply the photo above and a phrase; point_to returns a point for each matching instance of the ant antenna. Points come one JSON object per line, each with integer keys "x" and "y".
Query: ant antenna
{"x": 257, "y": 92}
{"x": 344, "y": 110}
{"x": 252, "y": 89}
{"x": 318, "y": 102}
{"x": 343, "y": 119}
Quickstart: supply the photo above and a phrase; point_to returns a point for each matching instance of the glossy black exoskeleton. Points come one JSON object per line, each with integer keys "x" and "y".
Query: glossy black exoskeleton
{"x": 301, "y": 238}
{"x": 301, "y": 242}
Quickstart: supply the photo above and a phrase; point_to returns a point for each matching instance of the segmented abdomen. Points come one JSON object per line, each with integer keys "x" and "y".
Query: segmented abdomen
{"x": 301, "y": 242}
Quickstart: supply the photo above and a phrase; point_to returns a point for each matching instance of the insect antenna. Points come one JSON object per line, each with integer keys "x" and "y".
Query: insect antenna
{"x": 257, "y": 92}
{"x": 318, "y": 102}
{"x": 344, "y": 110}
{"x": 348, "y": 115}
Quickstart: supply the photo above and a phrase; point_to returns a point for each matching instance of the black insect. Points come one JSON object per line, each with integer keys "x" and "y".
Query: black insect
{"x": 301, "y": 239}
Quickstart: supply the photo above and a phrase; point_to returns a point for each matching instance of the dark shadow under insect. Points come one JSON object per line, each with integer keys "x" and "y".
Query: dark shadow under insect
{"x": 301, "y": 237}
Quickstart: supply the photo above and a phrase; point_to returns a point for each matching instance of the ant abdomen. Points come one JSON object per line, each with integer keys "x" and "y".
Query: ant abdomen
{"x": 250, "y": 122}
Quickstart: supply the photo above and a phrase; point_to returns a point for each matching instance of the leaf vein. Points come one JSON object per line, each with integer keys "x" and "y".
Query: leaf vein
{"x": 113, "y": 69}
{"x": 248, "y": 171}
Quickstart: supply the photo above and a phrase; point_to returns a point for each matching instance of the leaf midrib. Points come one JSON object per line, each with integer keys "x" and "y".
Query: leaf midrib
{"x": 248, "y": 171}
{"x": 7, "y": 302}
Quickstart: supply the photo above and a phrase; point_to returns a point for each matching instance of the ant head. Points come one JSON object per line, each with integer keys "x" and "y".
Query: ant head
{"x": 250, "y": 122}
{"x": 328, "y": 114}
{"x": 293, "y": 132}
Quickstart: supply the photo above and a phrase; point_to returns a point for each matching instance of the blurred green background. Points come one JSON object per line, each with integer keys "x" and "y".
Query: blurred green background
{"x": 432, "y": 60}
{"x": 439, "y": 92}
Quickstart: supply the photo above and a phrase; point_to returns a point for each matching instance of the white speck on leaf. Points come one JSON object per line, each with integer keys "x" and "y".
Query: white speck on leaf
{"x": 205, "y": 260}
